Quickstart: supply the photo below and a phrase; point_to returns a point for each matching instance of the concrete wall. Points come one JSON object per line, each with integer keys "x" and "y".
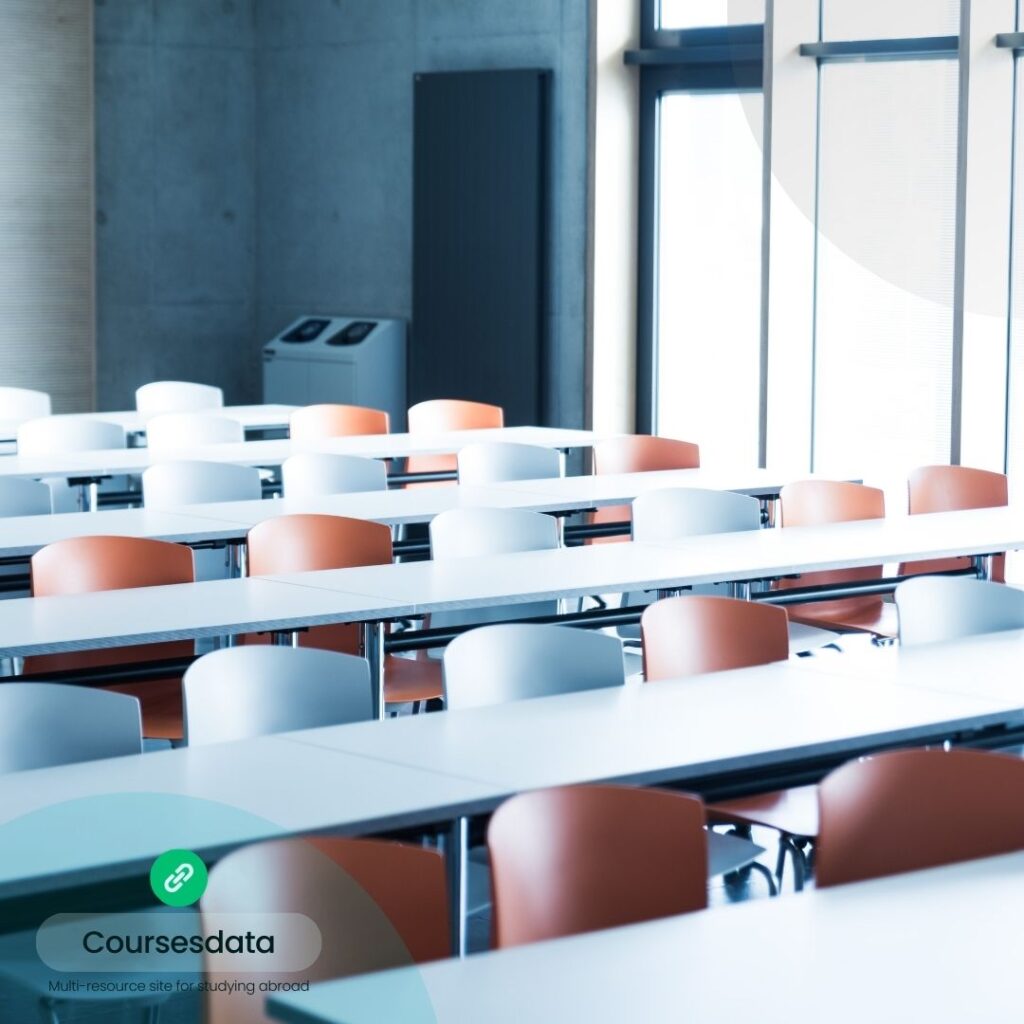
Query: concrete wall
{"x": 176, "y": 210}
{"x": 207, "y": 250}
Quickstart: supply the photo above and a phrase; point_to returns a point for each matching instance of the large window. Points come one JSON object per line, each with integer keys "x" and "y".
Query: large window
{"x": 885, "y": 282}
{"x": 831, "y": 260}
{"x": 709, "y": 273}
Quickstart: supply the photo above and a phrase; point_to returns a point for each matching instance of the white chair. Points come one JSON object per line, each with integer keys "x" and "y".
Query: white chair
{"x": 473, "y": 532}
{"x": 22, "y": 404}
{"x": 496, "y": 462}
{"x": 176, "y": 396}
{"x": 936, "y": 608}
{"x": 519, "y": 660}
{"x": 58, "y": 435}
{"x": 240, "y": 692}
{"x": 174, "y": 430}
{"x": 169, "y": 484}
{"x": 45, "y": 724}
{"x": 674, "y": 513}
{"x": 314, "y": 474}
{"x": 23, "y": 497}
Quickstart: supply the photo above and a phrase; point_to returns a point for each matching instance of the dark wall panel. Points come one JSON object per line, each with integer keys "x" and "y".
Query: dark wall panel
{"x": 480, "y": 239}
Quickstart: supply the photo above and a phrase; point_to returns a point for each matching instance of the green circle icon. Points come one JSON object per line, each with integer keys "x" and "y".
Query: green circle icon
{"x": 178, "y": 878}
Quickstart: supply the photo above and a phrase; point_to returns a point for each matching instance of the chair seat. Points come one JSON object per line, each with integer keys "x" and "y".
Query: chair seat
{"x": 727, "y": 854}
{"x": 408, "y": 680}
{"x": 162, "y": 717}
{"x": 792, "y": 811}
{"x": 881, "y": 620}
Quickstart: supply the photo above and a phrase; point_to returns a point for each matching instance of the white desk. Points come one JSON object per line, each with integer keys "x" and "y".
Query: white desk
{"x": 252, "y": 418}
{"x": 116, "y": 618}
{"x": 436, "y": 769}
{"x": 132, "y": 461}
{"x": 87, "y": 823}
{"x": 375, "y": 593}
{"x": 937, "y": 945}
{"x": 799, "y": 549}
{"x": 699, "y": 728}
{"x": 986, "y": 666}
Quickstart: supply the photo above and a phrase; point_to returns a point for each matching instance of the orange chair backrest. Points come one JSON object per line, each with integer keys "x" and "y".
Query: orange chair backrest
{"x": 817, "y": 503}
{"x": 684, "y": 636}
{"x": 579, "y": 858}
{"x": 914, "y": 809}
{"x": 85, "y": 565}
{"x": 444, "y": 414}
{"x": 308, "y": 543}
{"x": 317, "y": 422}
{"x": 638, "y": 453}
{"x": 949, "y": 489}
{"x": 377, "y": 904}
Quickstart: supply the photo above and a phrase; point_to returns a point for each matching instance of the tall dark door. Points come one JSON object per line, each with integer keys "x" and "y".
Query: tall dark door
{"x": 480, "y": 239}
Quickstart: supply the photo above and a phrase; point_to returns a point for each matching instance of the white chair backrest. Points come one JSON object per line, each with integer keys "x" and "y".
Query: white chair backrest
{"x": 495, "y": 462}
{"x": 44, "y": 724}
{"x": 168, "y": 484}
{"x": 186, "y": 429}
{"x": 471, "y": 532}
{"x": 58, "y": 435}
{"x": 23, "y": 497}
{"x": 238, "y": 692}
{"x": 677, "y": 512}
{"x": 313, "y": 474}
{"x": 935, "y": 608}
{"x": 23, "y": 404}
{"x": 176, "y": 396}
{"x": 517, "y": 661}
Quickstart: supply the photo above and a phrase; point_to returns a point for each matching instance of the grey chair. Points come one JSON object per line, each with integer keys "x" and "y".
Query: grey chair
{"x": 23, "y": 497}
{"x": 500, "y": 461}
{"x": 189, "y": 482}
{"x": 313, "y": 474}
{"x": 935, "y": 608}
{"x": 46, "y": 724}
{"x": 675, "y": 513}
{"x": 239, "y": 692}
{"x": 516, "y": 661}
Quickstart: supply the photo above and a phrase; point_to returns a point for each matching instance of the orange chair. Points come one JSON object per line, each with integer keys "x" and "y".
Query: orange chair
{"x": 818, "y": 502}
{"x": 442, "y": 415}
{"x": 950, "y": 489}
{"x": 638, "y": 453}
{"x": 307, "y": 543}
{"x": 579, "y": 858}
{"x": 317, "y": 422}
{"x": 685, "y": 636}
{"x": 377, "y": 904}
{"x": 84, "y": 565}
{"x": 913, "y": 809}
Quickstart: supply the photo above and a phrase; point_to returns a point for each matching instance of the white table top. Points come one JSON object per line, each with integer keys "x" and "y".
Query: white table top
{"x": 115, "y": 618}
{"x": 374, "y": 592}
{"x": 671, "y": 730}
{"x": 935, "y": 945}
{"x": 431, "y": 768}
{"x": 252, "y": 417}
{"x": 105, "y": 819}
{"x": 765, "y": 553}
{"x": 982, "y": 666}
{"x": 115, "y": 461}
{"x": 22, "y": 536}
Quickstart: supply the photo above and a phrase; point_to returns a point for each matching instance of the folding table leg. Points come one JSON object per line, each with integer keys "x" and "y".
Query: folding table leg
{"x": 983, "y": 566}
{"x": 373, "y": 652}
{"x": 456, "y": 858}
{"x": 238, "y": 559}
